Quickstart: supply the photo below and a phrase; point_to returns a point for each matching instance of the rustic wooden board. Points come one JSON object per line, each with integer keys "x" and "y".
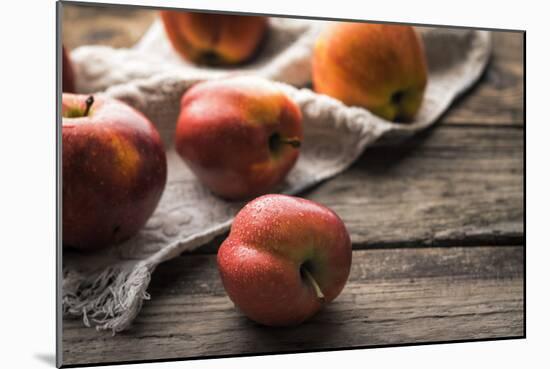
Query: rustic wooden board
{"x": 498, "y": 97}
{"x": 458, "y": 184}
{"x": 109, "y": 26}
{"x": 392, "y": 297}
{"x": 448, "y": 186}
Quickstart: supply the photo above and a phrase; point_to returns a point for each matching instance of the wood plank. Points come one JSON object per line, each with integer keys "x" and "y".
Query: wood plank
{"x": 108, "y": 26}
{"x": 481, "y": 200}
{"x": 392, "y": 297}
{"x": 497, "y": 99}
{"x": 448, "y": 186}
{"x": 458, "y": 184}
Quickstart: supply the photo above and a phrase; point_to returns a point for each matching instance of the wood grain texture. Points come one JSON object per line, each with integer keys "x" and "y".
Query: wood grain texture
{"x": 457, "y": 184}
{"x": 108, "y": 26}
{"x": 448, "y": 186}
{"x": 498, "y": 97}
{"x": 392, "y": 297}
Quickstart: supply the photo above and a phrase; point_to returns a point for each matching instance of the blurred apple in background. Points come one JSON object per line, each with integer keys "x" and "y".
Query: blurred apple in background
{"x": 67, "y": 72}
{"x": 284, "y": 258}
{"x": 214, "y": 39}
{"x": 114, "y": 171}
{"x": 376, "y": 66}
{"x": 239, "y": 135}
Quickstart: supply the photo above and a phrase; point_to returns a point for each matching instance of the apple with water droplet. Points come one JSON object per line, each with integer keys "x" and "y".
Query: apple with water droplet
{"x": 240, "y": 135}
{"x": 114, "y": 171}
{"x": 284, "y": 259}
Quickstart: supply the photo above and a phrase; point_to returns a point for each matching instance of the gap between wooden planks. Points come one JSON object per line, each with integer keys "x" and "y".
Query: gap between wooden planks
{"x": 392, "y": 297}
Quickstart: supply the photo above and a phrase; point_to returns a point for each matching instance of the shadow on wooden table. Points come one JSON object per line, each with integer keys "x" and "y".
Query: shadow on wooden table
{"x": 324, "y": 330}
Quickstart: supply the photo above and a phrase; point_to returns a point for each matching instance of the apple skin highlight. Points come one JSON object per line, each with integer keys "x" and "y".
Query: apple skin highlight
{"x": 379, "y": 67}
{"x": 214, "y": 39}
{"x": 275, "y": 240}
{"x": 239, "y": 135}
{"x": 114, "y": 171}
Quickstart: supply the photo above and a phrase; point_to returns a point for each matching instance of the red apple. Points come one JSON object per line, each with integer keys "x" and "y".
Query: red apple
{"x": 114, "y": 171}
{"x": 380, "y": 67}
{"x": 239, "y": 135}
{"x": 284, "y": 258}
{"x": 67, "y": 72}
{"x": 214, "y": 39}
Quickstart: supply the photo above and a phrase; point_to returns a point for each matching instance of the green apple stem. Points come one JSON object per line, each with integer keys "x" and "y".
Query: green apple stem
{"x": 89, "y": 103}
{"x": 292, "y": 141}
{"x": 314, "y": 284}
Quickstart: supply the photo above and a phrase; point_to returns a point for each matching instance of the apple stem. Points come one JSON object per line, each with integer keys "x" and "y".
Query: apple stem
{"x": 89, "y": 102}
{"x": 292, "y": 141}
{"x": 314, "y": 284}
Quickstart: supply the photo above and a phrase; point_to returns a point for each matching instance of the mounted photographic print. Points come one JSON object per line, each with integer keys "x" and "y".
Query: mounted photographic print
{"x": 240, "y": 184}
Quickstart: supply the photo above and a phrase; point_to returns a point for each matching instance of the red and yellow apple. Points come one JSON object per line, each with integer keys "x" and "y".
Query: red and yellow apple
{"x": 214, "y": 39}
{"x": 239, "y": 135}
{"x": 285, "y": 257}
{"x": 114, "y": 171}
{"x": 67, "y": 72}
{"x": 379, "y": 67}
